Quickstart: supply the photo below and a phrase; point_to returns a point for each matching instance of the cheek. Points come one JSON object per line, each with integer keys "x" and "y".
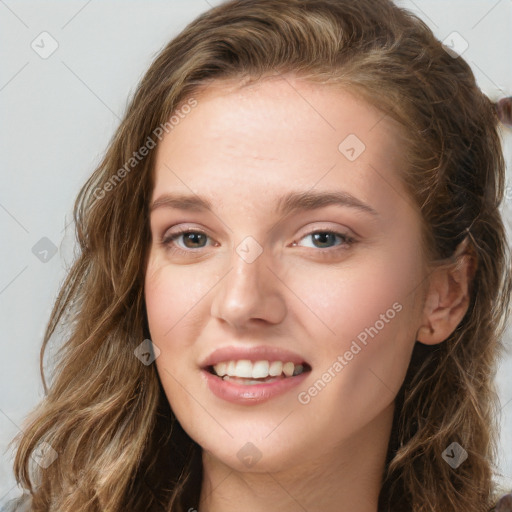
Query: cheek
{"x": 176, "y": 313}
{"x": 173, "y": 297}
{"x": 369, "y": 314}
{"x": 349, "y": 298}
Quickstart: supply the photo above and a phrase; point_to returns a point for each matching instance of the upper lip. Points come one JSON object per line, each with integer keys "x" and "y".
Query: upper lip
{"x": 257, "y": 353}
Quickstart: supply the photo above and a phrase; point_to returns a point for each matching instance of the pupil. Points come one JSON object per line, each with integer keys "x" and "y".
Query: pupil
{"x": 324, "y": 239}
{"x": 193, "y": 240}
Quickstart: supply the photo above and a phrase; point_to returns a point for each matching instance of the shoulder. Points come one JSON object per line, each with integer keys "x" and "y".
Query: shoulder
{"x": 504, "y": 504}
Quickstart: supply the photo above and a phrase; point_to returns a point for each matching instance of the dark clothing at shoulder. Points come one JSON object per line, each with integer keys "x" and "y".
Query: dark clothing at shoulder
{"x": 504, "y": 504}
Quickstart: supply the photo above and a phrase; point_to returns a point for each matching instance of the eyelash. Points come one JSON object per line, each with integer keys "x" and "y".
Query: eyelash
{"x": 168, "y": 241}
{"x": 346, "y": 241}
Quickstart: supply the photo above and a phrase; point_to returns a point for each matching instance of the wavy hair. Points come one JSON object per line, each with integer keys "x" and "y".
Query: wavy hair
{"x": 105, "y": 415}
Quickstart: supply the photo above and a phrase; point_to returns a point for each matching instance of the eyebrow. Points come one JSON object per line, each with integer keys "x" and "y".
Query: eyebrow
{"x": 287, "y": 204}
{"x": 312, "y": 200}
{"x": 181, "y": 202}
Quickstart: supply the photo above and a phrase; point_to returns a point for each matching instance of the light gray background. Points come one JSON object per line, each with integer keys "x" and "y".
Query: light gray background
{"x": 58, "y": 114}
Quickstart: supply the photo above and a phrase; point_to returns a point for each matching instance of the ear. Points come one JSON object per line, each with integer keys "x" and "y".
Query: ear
{"x": 447, "y": 298}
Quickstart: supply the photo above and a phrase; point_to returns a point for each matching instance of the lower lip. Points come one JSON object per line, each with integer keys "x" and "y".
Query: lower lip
{"x": 250, "y": 394}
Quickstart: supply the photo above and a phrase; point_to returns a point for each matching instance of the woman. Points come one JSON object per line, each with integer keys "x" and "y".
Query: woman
{"x": 293, "y": 279}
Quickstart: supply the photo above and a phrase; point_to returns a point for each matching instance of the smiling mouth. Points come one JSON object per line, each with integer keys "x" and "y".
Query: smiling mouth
{"x": 248, "y": 372}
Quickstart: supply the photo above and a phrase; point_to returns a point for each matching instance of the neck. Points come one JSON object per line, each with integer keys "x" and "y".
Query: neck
{"x": 347, "y": 478}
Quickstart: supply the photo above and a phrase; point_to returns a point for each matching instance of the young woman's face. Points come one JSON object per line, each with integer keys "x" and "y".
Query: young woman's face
{"x": 282, "y": 237}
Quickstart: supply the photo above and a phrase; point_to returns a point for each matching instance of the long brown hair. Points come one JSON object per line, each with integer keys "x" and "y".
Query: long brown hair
{"x": 118, "y": 445}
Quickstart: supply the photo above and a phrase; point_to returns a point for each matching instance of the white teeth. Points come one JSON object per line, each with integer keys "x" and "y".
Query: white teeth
{"x": 221, "y": 368}
{"x": 260, "y": 369}
{"x": 243, "y": 368}
{"x": 276, "y": 368}
{"x": 231, "y": 368}
{"x": 257, "y": 370}
{"x": 288, "y": 369}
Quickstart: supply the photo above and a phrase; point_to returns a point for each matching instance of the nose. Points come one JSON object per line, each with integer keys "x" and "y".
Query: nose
{"x": 250, "y": 294}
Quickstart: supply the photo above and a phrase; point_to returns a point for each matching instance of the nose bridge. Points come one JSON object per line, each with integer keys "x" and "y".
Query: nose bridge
{"x": 249, "y": 291}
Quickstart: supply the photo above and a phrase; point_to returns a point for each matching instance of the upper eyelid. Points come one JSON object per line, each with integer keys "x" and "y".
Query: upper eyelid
{"x": 172, "y": 236}
{"x": 179, "y": 230}
{"x": 329, "y": 229}
{"x": 186, "y": 229}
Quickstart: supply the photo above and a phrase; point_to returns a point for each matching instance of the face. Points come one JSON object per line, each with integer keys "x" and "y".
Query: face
{"x": 283, "y": 242}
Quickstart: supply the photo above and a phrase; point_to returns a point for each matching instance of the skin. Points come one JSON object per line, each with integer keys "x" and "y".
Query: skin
{"x": 242, "y": 148}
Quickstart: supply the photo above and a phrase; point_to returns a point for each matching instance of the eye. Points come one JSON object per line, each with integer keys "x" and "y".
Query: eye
{"x": 326, "y": 239}
{"x": 186, "y": 240}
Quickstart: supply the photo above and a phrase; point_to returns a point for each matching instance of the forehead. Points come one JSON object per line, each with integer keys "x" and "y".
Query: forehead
{"x": 278, "y": 134}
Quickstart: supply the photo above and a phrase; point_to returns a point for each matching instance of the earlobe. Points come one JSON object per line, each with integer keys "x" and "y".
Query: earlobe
{"x": 447, "y": 298}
